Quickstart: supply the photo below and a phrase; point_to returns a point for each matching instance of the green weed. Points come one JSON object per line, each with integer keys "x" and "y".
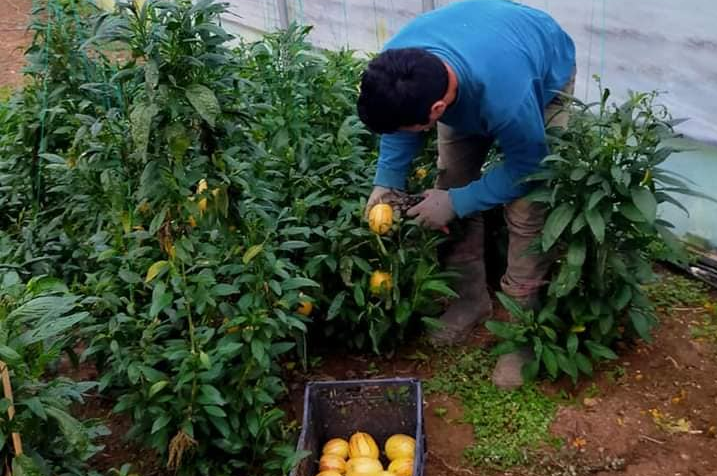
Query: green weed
{"x": 508, "y": 426}
{"x": 673, "y": 290}
{"x": 707, "y": 329}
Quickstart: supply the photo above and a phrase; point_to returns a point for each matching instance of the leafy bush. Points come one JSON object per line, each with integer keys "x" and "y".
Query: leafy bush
{"x": 39, "y": 321}
{"x": 602, "y": 183}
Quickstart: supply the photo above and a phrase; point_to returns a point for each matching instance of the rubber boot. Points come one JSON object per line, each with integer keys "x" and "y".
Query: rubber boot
{"x": 473, "y": 305}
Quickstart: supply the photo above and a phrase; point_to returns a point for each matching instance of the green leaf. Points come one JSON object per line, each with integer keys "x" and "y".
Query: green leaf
{"x": 359, "y": 296}
{"x": 221, "y": 425}
{"x": 73, "y": 431}
{"x": 251, "y": 253}
{"x": 578, "y": 224}
{"x": 52, "y": 328}
{"x": 599, "y": 351}
{"x": 622, "y": 298}
{"x": 573, "y": 342}
{"x": 204, "y": 101}
{"x": 257, "y": 349}
{"x": 556, "y": 223}
{"x": 209, "y": 395}
{"x": 576, "y": 252}
{"x": 223, "y": 289}
{"x": 645, "y": 201}
{"x": 504, "y": 330}
{"x": 215, "y": 411}
{"x": 567, "y": 365}
{"x": 511, "y": 305}
{"x": 595, "y": 198}
{"x": 160, "y": 299}
{"x": 530, "y": 370}
{"x": 296, "y": 283}
{"x": 596, "y": 223}
{"x": 35, "y": 406}
{"x": 9, "y": 354}
{"x": 141, "y": 126}
{"x": 160, "y": 423}
{"x": 335, "y": 306}
{"x": 641, "y": 325}
{"x": 157, "y": 387}
{"x": 155, "y": 270}
{"x": 606, "y": 324}
{"x": 584, "y": 364}
{"x": 23, "y": 465}
{"x": 578, "y": 174}
{"x": 129, "y": 277}
{"x": 551, "y": 363}
{"x": 439, "y": 287}
{"x": 630, "y": 211}
{"x": 505, "y": 347}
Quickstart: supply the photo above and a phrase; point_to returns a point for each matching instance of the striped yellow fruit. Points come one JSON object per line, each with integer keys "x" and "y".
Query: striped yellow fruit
{"x": 380, "y": 218}
{"x": 400, "y": 446}
{"x": 363, "y": 466}
{"x": 401, "y": 467}
{"x": 362, "y": 445}
{"x": 338, "y": 447}
{"x": 332, "y": 463}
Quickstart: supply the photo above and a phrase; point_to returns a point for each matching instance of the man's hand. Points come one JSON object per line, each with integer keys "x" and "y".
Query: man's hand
{"x": 435, "y": 211}
{"x": 379, "y": 195}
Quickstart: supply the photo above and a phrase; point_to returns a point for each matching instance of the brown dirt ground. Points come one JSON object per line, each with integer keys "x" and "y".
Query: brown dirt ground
{"x": 14, "y": 20}
{"x": 608, "y": 429}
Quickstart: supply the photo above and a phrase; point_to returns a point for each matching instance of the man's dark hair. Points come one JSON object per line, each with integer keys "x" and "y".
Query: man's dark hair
{"x": 399, "y": 87}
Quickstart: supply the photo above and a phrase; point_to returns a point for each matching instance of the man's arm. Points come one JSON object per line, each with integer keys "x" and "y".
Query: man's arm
{"x": 396, "y": 153}
{"x": 522, "y": 139}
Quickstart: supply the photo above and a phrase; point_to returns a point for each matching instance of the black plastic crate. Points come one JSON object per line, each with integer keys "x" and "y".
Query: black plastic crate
{"x": 381, "y": 408}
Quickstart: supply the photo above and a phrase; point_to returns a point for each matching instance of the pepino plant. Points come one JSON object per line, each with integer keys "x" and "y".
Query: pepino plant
{"x": 603, "y": 184}
{"x": 39, "y": 323}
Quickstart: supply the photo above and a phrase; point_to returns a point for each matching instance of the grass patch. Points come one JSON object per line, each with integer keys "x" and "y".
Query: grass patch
{"x": 673, "y": 290}
{"x": 5, "y": 93}
{"x": 707, "y": 329}
{"x": 508, "y": 426}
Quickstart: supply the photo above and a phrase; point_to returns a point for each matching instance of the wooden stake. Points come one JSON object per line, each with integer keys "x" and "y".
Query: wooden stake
{"x": 7, "y": 393}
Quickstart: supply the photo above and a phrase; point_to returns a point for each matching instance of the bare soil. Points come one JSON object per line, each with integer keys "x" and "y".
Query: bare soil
{"x": 626, "y": 421}
{"x": 14, "y": 20}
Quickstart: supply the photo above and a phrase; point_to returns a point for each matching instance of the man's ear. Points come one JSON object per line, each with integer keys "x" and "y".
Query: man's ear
{"x": 437, "y": 110}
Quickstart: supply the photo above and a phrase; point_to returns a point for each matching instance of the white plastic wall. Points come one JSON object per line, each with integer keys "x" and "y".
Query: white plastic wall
{"x": 639, "y": 44}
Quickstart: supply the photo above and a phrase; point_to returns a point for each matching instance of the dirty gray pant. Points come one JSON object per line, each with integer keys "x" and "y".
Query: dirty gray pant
{"x": 460, "y": 159}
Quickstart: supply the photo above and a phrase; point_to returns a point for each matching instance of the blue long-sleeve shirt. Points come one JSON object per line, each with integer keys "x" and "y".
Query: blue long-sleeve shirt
{"x": 510, "y": 60}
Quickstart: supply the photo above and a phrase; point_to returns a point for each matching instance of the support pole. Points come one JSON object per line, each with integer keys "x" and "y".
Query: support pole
{"x": 7, "y": 393}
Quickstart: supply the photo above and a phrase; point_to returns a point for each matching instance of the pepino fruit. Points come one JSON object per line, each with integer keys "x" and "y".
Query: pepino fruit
{"x": 305, "y": 308}
{"x": 401, "y": 467}
{"x": 380, "y": 283}
{"x": 400, "y": 446}
{"x": 363, "y": 466}
{"x": 329, "y": 473}
{"x": 338, "y": 447}
{"x": 380, "y": 218}
{"x": 332, "y": 463}
{"x": 362, "y": 444}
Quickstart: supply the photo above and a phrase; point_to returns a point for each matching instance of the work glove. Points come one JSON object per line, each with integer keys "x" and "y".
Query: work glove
{"x": 435, "y": 211}
{"x": 380, "y": 195}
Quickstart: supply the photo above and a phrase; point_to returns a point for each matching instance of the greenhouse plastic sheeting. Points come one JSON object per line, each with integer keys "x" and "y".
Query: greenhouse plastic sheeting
{"x": 638, "y": 44}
